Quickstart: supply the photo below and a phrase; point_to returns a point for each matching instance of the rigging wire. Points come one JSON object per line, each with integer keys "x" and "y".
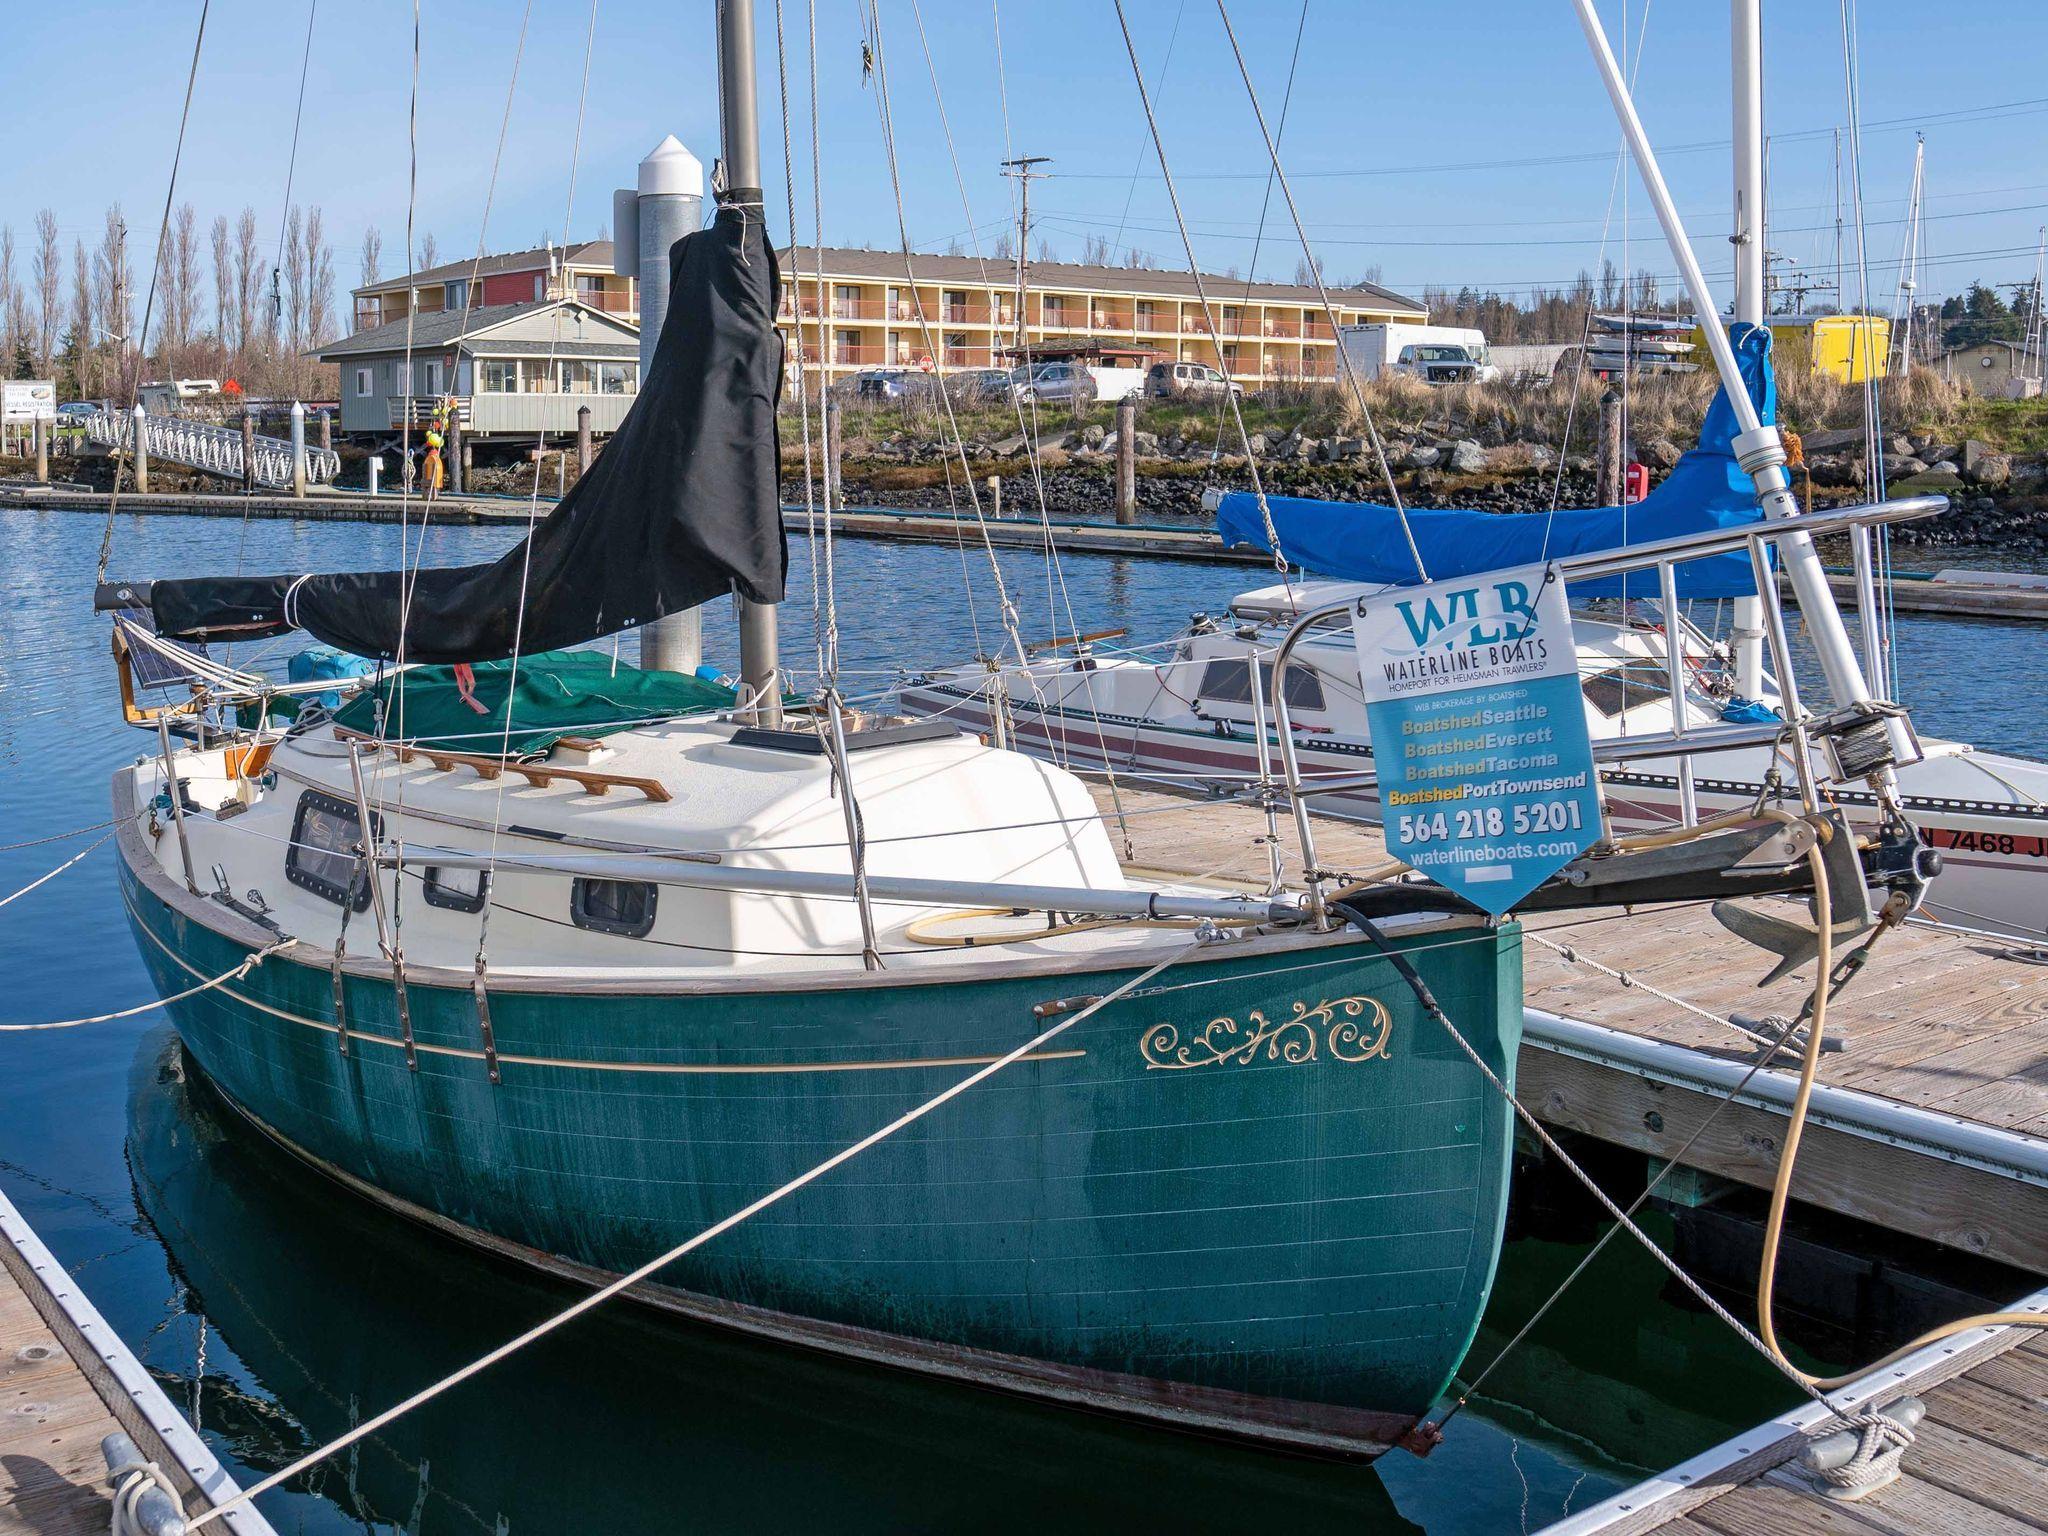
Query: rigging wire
{"x": 1344, "y": 362}
{"x": 149, "y": 303}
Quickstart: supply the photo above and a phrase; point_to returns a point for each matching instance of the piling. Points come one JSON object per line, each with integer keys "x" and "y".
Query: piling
{"x": 1608, "y": 493}
{"x": 1127, "y": 460}
{"x": 583, "y": 449}
{"x": 835, "y": 496}
{"x": 458, "y": 471}
{"x": 248, "y": 452}
{"x": 326, "y": 431}
{"x": 139, "y": 422}
{"x": 995, "y": 495}
{"x": 299, "y": 449}
{"x": 376, "y": 471}
{"x": 42, "y": 437}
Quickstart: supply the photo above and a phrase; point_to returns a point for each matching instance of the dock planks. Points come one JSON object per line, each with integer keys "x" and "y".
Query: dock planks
{"x": 66, "y": 1382}
{"x": 1938, "y": 1021}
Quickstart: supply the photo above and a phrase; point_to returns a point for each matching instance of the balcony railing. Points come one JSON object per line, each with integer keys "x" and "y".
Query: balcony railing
{"x": 968, "y": 357}
{"x": 420, "y": 409}
{"x": 608, "y": 300}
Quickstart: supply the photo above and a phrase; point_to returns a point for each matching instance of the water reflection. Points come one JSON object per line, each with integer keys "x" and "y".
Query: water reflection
{"x": 624, "y": 1422}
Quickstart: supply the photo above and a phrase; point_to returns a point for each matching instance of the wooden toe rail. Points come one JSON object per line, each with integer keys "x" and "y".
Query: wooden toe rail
{"x": 540, "y": 775}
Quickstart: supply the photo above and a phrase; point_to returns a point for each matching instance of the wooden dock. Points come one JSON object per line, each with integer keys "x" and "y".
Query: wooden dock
{"x": 1933, "y": 1122}
{"x": 66, "y": 1381}
{"x": 1978, "y": 1465}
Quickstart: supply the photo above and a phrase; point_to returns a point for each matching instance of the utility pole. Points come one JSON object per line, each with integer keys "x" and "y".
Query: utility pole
{"x": 1020, "y": 170}
{"x": 740, "y": 135}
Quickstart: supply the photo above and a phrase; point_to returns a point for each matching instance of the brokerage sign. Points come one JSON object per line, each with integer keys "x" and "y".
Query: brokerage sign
{"x": 1479, "y": 733}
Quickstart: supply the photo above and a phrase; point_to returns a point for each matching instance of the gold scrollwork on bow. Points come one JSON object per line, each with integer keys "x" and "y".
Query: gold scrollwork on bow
{"x": 1350, "y": 1029}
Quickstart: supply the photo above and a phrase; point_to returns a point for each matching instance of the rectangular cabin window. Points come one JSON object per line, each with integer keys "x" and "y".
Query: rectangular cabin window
{"x": 362, "y": 381}
{"x": 1228, "y": 681}
{"x": 500, "y": 378}
{"x": 1624, "y": 687}
{"x": 327, "y": 837}
{"x": 458, "y": 890}
{"x": 623, "y": 907}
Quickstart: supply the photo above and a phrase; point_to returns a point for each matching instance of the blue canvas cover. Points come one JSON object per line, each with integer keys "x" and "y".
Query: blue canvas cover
{"x": 1363, "y": 541}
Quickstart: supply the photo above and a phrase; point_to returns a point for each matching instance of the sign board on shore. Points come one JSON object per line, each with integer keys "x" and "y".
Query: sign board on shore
{"x": 26, "y": 400}
{"x": 1479, "y": 735}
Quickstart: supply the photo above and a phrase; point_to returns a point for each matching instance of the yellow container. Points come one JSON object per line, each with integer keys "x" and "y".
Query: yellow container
{"x": 1847, "y": 348}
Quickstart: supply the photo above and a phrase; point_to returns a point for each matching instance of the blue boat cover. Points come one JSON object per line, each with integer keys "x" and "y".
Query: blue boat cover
{"x": 1363, "y": 541}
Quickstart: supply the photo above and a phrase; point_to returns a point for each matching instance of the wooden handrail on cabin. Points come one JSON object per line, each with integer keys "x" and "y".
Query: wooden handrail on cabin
{"x": 540, "y": 775}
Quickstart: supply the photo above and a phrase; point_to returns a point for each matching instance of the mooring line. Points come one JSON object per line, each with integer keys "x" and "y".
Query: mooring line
{"x": 661, "y": 1261}
{"x": 221, "y": 980}
{"x": 53, "y": 874}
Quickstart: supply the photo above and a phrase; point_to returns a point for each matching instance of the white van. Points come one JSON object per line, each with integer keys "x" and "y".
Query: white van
{"x": 1437, "y": 354}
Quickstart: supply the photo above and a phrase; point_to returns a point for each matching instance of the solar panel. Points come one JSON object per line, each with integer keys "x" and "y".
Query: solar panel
{"x": 150, "y": 666}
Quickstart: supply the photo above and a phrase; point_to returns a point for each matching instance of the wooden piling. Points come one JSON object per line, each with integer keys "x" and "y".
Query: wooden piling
{"x": 1127, "y": 460}
{"x": 1609, "y": 490}
{"x": 42, "y": 436}
{"x": 583, "y": 445}
{"x": 458, "y": 472}
{"x": 248, "y": 452}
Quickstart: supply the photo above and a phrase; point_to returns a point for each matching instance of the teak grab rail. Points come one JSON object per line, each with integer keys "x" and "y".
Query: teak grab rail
{"x": 539, "y": 775}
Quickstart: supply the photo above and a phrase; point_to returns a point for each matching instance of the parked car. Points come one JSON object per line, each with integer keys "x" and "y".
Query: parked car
{"x": 76, "y": 411}
{"x": 1173, "y": 381}
{"x": 975, "y": 386}
{"x": 1048, "y": 382}
{"x": 882, "y": 384}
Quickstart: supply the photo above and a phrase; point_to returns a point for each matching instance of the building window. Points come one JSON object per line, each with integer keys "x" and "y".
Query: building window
{"x": 579, "y": 379}
{"x": 618, "y": 378}
{"x": 1148, "y": 315}
{"x": 458, "y": 890}
{"x": 431, "y": 374}
{"x": 363, "y": 381}
{"x": 325, "y": 856}
{"x": 540, "y": 286}
{"x": 846, "y": 301}
{"x": 500, "y": 377}
{"x": 624, "y": 907}
{"x": 458, "y": 293}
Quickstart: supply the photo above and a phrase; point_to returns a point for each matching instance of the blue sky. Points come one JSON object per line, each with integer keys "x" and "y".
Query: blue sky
{"x": 1465, "y": 141}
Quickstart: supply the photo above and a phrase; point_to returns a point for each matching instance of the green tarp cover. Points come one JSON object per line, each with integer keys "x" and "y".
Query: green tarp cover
{"x": 558, "y": 693}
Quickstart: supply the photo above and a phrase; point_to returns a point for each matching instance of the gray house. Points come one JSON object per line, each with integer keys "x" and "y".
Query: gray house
{"x": 514, "y": 370}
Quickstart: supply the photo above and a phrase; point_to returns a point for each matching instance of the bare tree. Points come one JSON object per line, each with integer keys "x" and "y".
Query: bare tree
{"x": 85, "y": 354}
{"x": 319, "y": 280}
{"x": 114, "y": 298}
{"x": 11, "y": 311}
{"x": 49, "y": 279}
{"x": 1307, "y": 273}
{"x": 291, "y": 328}
{"x": 1095, "y": 251}
{"x": 430, "y": 253}
{"x": 248, "y": 289}
{"x": 373, "y": 253}
{"x": 179, "y": 270}
{"x": 223, "y": 288}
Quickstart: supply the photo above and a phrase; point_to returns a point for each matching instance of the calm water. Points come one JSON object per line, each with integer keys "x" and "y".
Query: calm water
{"x": 278, "y": 1310}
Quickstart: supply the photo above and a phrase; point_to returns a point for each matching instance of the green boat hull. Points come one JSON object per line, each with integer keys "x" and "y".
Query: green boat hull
{"x": 1262, "y": 1194}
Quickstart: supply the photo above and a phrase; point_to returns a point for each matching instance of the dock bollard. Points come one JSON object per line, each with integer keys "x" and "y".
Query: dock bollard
{"x": 150, "y": 1509}
{"x": 140, "y": 447}
{"x": 299, "y": 449}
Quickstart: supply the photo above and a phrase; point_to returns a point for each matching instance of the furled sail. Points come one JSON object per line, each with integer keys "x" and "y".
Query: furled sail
{"x": 1707, "y": 489}
{"x": 682, "y": 506}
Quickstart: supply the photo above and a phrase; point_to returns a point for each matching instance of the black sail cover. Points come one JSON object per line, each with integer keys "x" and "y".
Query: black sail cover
{"x": 682, "y": 506}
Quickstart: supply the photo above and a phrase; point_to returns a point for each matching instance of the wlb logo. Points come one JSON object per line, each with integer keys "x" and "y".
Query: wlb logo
{"x": 1509, "y": 615}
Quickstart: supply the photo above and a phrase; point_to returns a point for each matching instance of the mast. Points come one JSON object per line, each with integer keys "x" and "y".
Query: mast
{"x": 1904, "y": 302}
{"x": 1759, "y": 447}
{"x": 740, "y": 136}
{"x": 1745, "y": 27}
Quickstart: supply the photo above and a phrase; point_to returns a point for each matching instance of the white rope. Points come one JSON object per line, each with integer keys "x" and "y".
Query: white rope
{"x": 655, "y": 1265}
{"x": 221, "y": 980}
{"x": 131, "y": 1480}
{"x": 53, "y": 874}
